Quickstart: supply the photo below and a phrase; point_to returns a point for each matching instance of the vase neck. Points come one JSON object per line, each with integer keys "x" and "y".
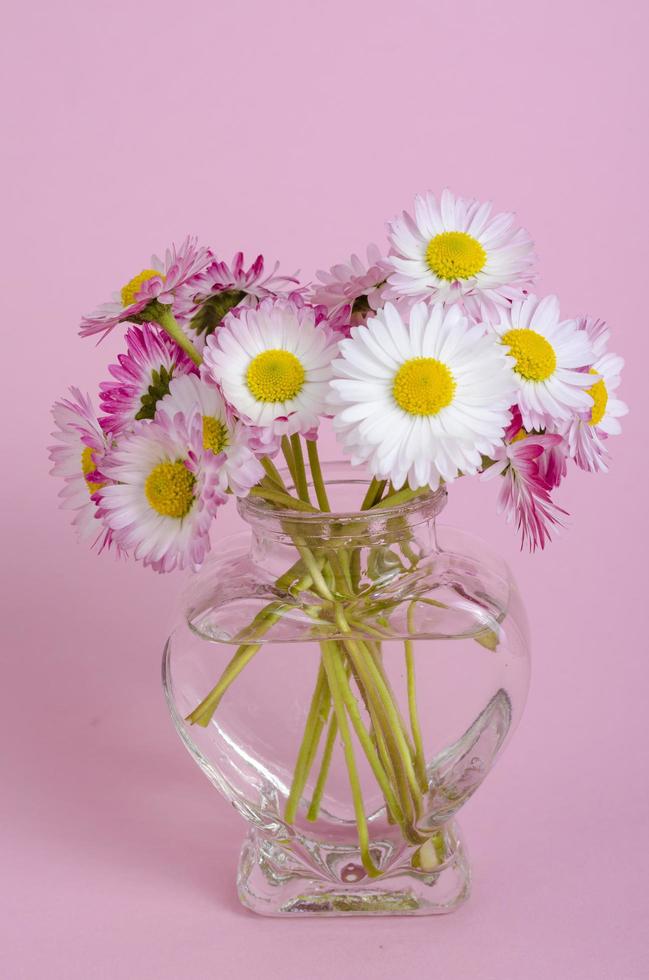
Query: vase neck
{"x": 346, "y": 525}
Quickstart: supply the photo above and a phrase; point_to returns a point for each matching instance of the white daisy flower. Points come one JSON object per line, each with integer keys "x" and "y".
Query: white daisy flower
{"x": 421, "y": 401}
{"x": 222, "y": 434}
{"x": 550, "y": 355}
{"x": 586, "y": 434}
{"x": 165, "y": 494}
{"x": 455, "y": 250}
{"x": 273, "y": 365}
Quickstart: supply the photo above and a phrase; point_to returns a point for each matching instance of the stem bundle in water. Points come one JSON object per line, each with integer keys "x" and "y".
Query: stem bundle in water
{"x": 352, "y": 699}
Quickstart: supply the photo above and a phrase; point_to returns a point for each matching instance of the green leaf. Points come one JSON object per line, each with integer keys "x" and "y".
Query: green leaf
{"x": 361, "y": 306}
{"x": 214, "y": 309}
{"x": 158, "y": 388}
{"x": 487, "y": 638}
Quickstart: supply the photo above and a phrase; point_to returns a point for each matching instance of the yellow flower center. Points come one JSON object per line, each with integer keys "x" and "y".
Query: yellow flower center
{"x": 169, "y": 488}
{"x": 275, "y": 376}
{"x": 455, "y": 255}
{"x": 534, "y": 355}
{"x": 88, "y": 466}
{"x": 215, "y": 434}
{"x": 423, "y": 386}
{"x": 131, "y": 289}
{"x": 599, "y": 394}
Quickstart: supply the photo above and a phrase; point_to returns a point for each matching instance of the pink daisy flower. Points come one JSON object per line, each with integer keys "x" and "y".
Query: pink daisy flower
{"x": 524, "y": 494}
{"x": 166, "y": 491}
{"x": 223, "y": 435}
{"x": 77, "y": 458}
{"x": 553, "y": 461}
{"x": 359, "y": 285}
{"x": 339, "y": 323}
{"x": 222, "y": 287}
{"x": 160, "y": 283}
{"x": 142, "y": 377}
{"x": 263, "y": 442}
{"x": 588, "y": 431}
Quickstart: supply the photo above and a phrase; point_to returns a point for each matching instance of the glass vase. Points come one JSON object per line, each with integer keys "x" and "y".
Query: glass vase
{"x": 347, "y": 680}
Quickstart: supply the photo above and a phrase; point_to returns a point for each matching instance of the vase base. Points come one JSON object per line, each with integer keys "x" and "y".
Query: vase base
{"x": 275, "y": 879}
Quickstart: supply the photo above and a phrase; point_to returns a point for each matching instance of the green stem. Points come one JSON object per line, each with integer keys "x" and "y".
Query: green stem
{"x": 410, "y": 554}
{"x": 384, "y": 755}
{"x": 430, "y": 602}
{"x": 202, "y": 715}
{"x": 166, "y": 320}
{"x": 354, "y": 782}
{"x": 316, "y": 473}
{"x": 325, "y": 763}
{"x": 382, "y": 724}
{"x": 341, "y": 572}
{"x": 288, "y": 579}
{"x": 327, "y": 753}
{"x": 290, "y": 460}
{"x": 376, "y": 671}
{"x": 379, "y": 742}
{"x": 314, "y": 570}
{"x": 277, "y": 497}
{"x": 420, "y": 762}
{"x": 400, "y": 497}
{"x": 373, "y": 494}
{"x": 366, "y": 628}
{"x": 366, "y": 743}
{"x": 355, "y": 570}
{"x": 390, "y": 724}
{"x": 377, "y": 657}
{"x": 273, "y": 474}
{"x": 302, "y": 486}
{"x": 267, "y": 617}
{"x": 315, "y": 721}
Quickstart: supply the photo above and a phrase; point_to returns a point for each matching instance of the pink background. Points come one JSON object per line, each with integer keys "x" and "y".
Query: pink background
{"x": 297, "y": 128}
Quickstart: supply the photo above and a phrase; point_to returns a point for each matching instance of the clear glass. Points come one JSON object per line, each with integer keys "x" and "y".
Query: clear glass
{"x": 438, "y": 620}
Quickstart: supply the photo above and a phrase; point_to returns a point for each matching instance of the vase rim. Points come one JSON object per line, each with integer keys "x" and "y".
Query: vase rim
{"x": 341, "y": 474}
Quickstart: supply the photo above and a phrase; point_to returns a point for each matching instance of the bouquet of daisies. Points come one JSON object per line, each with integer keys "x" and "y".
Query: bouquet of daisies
{"x": 433, "y": 359}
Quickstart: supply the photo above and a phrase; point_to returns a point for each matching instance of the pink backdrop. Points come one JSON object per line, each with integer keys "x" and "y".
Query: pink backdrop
{"x": 297, "y": 128}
